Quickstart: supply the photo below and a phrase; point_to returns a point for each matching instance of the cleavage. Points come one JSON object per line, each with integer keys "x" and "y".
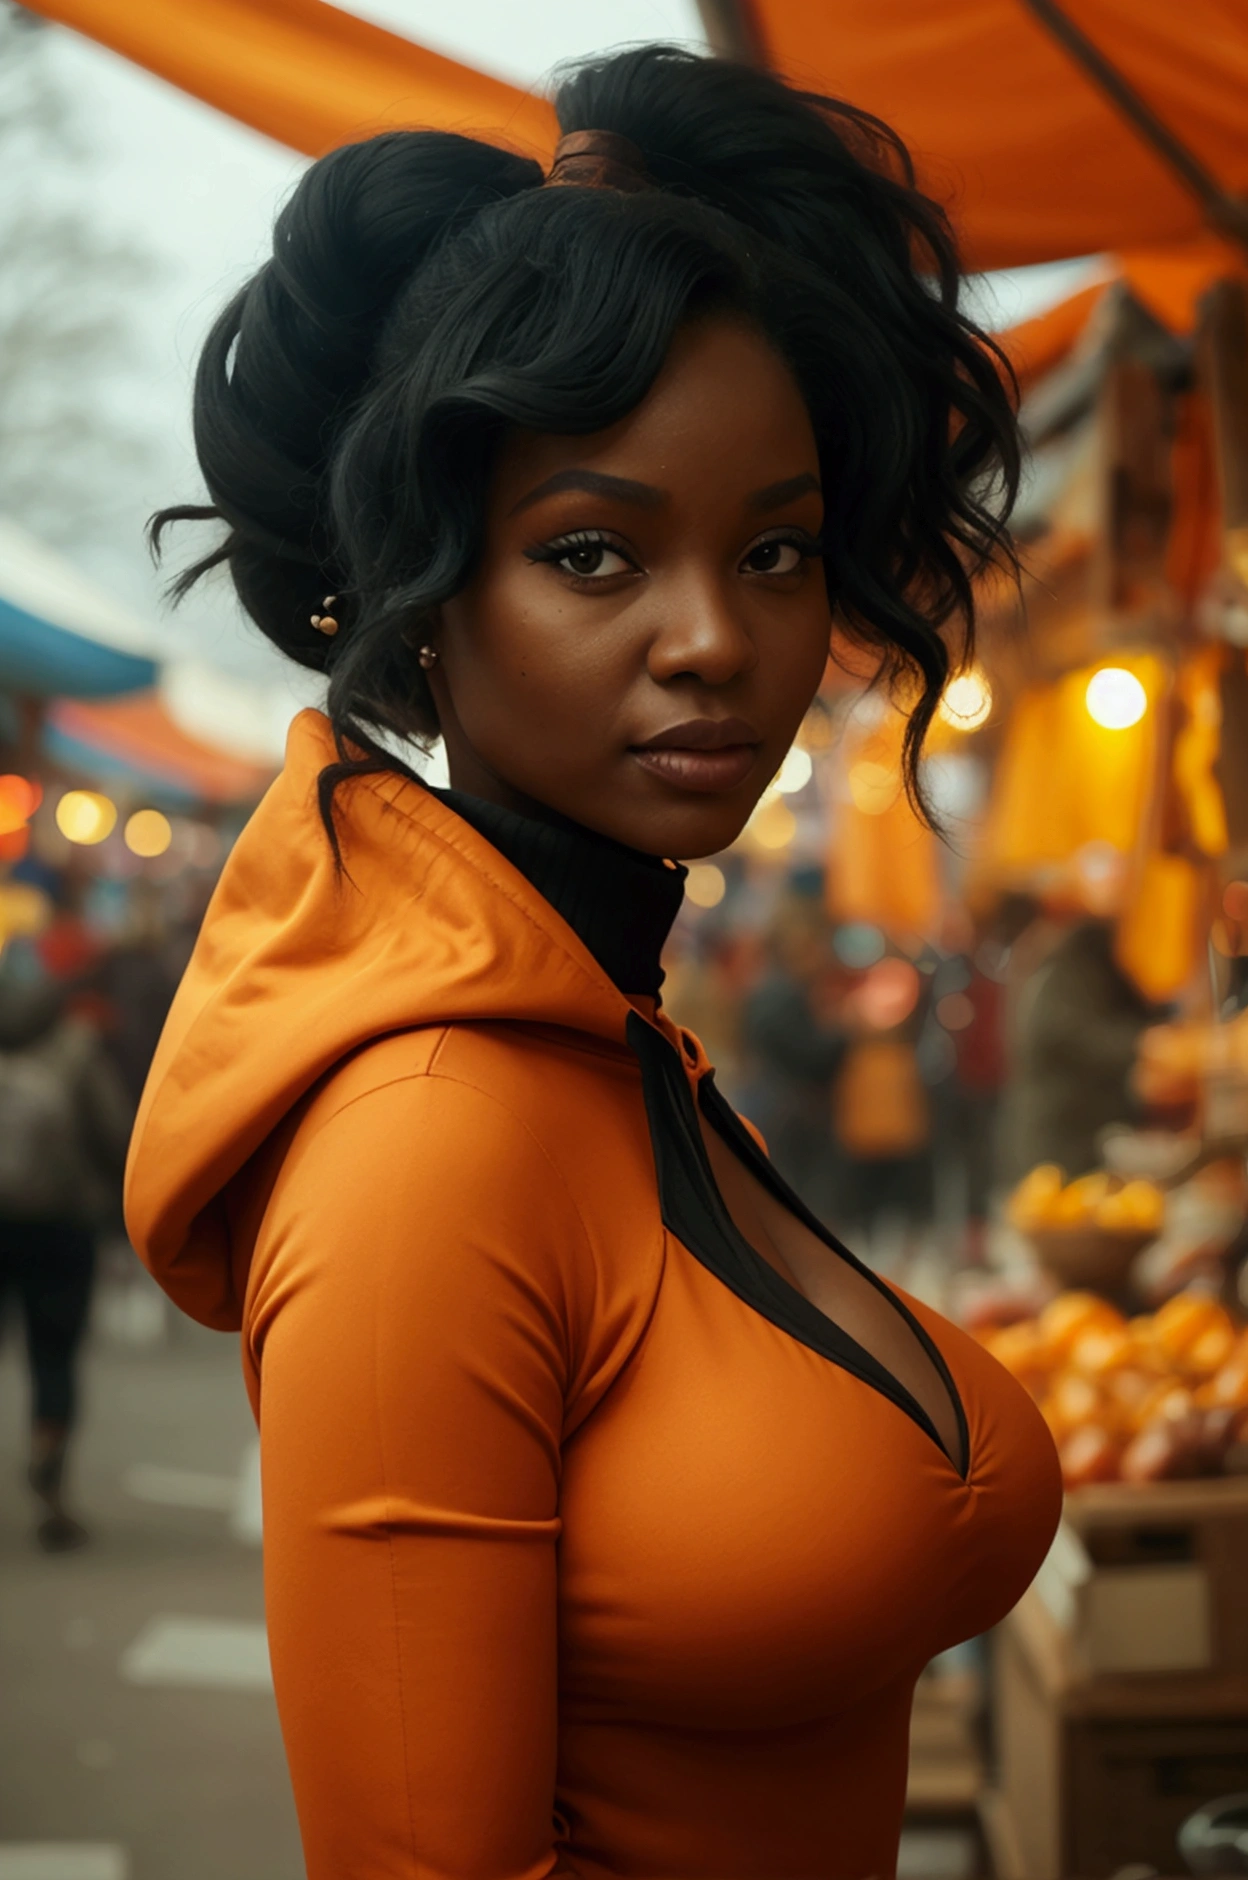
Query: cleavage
{"x": 833, "y": 1286}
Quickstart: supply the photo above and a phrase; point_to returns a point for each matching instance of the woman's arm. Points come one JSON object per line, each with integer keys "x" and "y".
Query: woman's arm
{"x": 409, "y": 1317}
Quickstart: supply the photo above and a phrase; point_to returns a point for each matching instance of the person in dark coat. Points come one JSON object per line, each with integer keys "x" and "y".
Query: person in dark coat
{"x": 65, "y": 1122}
{"x": 1076, "y": 1029}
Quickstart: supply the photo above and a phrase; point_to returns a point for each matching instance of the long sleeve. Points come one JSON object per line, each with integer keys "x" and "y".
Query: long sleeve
{"x": 409, "y": 1321}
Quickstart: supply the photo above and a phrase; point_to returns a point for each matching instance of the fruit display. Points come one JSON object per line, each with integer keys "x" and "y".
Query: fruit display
{"x": 1145, "y": 1399}
{"x": 1086, "y": 1232}
{"x": 1045, "y": 1201}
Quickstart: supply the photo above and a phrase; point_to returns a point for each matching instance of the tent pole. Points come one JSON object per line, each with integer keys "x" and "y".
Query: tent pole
{"x": 1227, "y": 213}
{"x": 731, "y": 30}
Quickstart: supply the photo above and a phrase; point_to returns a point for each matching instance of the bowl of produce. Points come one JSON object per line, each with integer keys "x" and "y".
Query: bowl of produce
{"x": 1153, "y": 1398}
{"x": 1086, "y": 1233}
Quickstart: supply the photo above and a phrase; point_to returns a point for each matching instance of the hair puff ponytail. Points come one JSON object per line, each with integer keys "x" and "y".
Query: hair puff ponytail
{"x": 424, "y": 294}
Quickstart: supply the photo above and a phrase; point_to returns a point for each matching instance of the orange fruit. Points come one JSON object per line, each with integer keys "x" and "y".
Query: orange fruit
{"x": 1070, "y": 1401}
{"x": 1101, "y": 1350}
{"x": 1069, "y": 1316}
{"x": 1089, "y": 1454}
{"x": 1180, "y": 1322}
{"x": 1127, "y": 1392}
{"x": 1211, "y": 1350}
{"x": 1020, "y": 1349}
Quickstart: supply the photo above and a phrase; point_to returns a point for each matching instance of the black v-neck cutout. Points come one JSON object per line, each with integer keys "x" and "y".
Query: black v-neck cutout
{"x": 695, "y": 1212}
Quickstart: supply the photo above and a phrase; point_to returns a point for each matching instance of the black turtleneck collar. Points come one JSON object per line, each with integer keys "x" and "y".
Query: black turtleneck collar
{"x": 620, "y": 903}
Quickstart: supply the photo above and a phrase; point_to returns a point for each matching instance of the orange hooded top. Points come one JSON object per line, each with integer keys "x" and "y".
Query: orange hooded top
{"x": 591, "y": 1547}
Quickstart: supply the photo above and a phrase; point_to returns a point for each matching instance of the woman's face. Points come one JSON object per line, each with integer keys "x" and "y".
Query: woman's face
{"x": 649, "y": 620}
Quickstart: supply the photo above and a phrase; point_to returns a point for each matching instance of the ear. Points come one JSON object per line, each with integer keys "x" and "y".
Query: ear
{"x": 423, "y": 628}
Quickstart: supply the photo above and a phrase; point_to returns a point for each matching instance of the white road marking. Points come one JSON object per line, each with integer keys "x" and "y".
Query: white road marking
{"x": 198, "y": 1654}
{"x": 62, "y": 1860}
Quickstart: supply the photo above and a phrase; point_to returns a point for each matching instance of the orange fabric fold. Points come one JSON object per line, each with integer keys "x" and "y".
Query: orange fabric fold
{"x": 305, "y": 73}
{"x": 1034, "y": 161}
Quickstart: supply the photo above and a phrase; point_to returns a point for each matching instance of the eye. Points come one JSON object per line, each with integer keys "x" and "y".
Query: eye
{"x": 585, "y": 556}
{"x": 592, "y": 558}
{"x": 779, "y": 554}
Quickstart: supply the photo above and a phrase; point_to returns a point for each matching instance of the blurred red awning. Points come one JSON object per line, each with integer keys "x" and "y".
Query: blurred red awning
{"x": 136, "y": 735}
{"x": 305, "y": 73}
{"x": 1005, "y": 126}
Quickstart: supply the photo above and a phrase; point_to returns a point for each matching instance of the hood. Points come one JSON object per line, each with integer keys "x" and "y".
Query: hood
{"x": 297, "y": 965}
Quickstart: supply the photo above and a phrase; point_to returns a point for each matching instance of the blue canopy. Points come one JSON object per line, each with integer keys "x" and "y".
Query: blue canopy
{"x": 60, "y": 637}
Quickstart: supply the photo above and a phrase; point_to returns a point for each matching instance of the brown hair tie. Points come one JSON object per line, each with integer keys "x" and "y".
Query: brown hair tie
{"x": 599, "y": 160}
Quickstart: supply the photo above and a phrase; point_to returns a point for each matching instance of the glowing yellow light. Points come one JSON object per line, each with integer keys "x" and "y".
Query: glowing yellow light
{"x": 873, "y": 787}
{"x": 773, "y": 825}
{"x": 148, "y": 833}
{"x": 85, "y": 816}
{"x": 1115, "y": 699}
{"x": 705, "y": 885}
{"x": 795, "y": 772}
{"x": 967, "y": 702}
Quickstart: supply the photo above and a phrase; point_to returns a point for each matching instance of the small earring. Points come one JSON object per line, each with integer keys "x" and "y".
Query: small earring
{"x": 325, "y": 623}
{"x": 427, "y": 657}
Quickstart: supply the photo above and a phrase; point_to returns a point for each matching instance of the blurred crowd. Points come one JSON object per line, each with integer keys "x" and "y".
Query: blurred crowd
{"x": 906, "y": 1088}
{"x": 82, "y": 1003}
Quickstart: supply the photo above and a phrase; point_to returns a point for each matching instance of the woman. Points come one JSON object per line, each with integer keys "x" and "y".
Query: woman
{"x": 611, "y": 1508}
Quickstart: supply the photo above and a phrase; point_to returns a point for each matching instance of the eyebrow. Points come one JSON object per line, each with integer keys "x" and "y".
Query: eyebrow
{"x": 776, "y": 495}
{"x": 647, "y": 496}
{"x": 595, "y": 483}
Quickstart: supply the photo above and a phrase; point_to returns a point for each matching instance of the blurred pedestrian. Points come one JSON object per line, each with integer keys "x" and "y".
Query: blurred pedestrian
{"x": 64, "y": 1126}
{"x": 883, "y": 1126}
{"x": 135, "y": 980}
{"x": 1072, "y": 1048}
{"x": 795, "y": 1044}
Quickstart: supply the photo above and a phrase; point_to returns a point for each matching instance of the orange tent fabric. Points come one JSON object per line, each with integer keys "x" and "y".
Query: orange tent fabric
{"x": 137, "y": 732}
{"x": 1035, "y": 346}
{"x": 883, "y": 865}
{"x": 1064, "y": 783}
{"x": 1169, "y": 282}
{"x": 1035, "y": 162}
{"x": 307, "y": 74}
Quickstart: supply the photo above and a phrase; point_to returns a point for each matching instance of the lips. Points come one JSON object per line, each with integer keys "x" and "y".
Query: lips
{"x": 708, "y": 755}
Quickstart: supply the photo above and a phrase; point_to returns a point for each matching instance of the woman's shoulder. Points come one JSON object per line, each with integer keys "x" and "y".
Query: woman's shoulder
{"x": 570, "y": 1097}
{"x": 455, "y": 1138}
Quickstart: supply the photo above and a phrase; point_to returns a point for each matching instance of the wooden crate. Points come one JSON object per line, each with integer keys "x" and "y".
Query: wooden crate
{"x": 1097, "y": 1767}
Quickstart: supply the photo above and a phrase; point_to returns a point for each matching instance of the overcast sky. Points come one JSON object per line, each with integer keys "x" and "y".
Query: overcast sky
{"x": 199, "y": 192}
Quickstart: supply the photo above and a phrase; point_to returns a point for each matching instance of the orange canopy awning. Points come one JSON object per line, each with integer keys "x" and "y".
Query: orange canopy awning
{"x": 137, "y": 736}
{"x": 1033, "y": 159}
{"x": 1169, "y": 282}
{"x": 305, "y": 73}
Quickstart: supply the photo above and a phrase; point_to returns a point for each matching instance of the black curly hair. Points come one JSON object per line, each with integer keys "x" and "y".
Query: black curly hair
{"x": 425, "y": 293}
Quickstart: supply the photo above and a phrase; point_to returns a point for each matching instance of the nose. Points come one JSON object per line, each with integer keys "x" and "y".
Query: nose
{"x": 701, "y": 636}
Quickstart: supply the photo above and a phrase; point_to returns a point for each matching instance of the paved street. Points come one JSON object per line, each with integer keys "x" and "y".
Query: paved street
{"x": 137, "y": 1734}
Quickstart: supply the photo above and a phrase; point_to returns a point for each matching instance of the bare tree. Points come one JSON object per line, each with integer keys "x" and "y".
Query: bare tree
{"x": 65, "y": 339}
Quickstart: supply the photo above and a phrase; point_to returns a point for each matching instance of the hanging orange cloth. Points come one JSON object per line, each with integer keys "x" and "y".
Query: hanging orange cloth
{"x": 1034, "y": 160}
{"x": 1064, "y": 782}
{"x": 307, "y": 74}
{"x": 882, "y": 862}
